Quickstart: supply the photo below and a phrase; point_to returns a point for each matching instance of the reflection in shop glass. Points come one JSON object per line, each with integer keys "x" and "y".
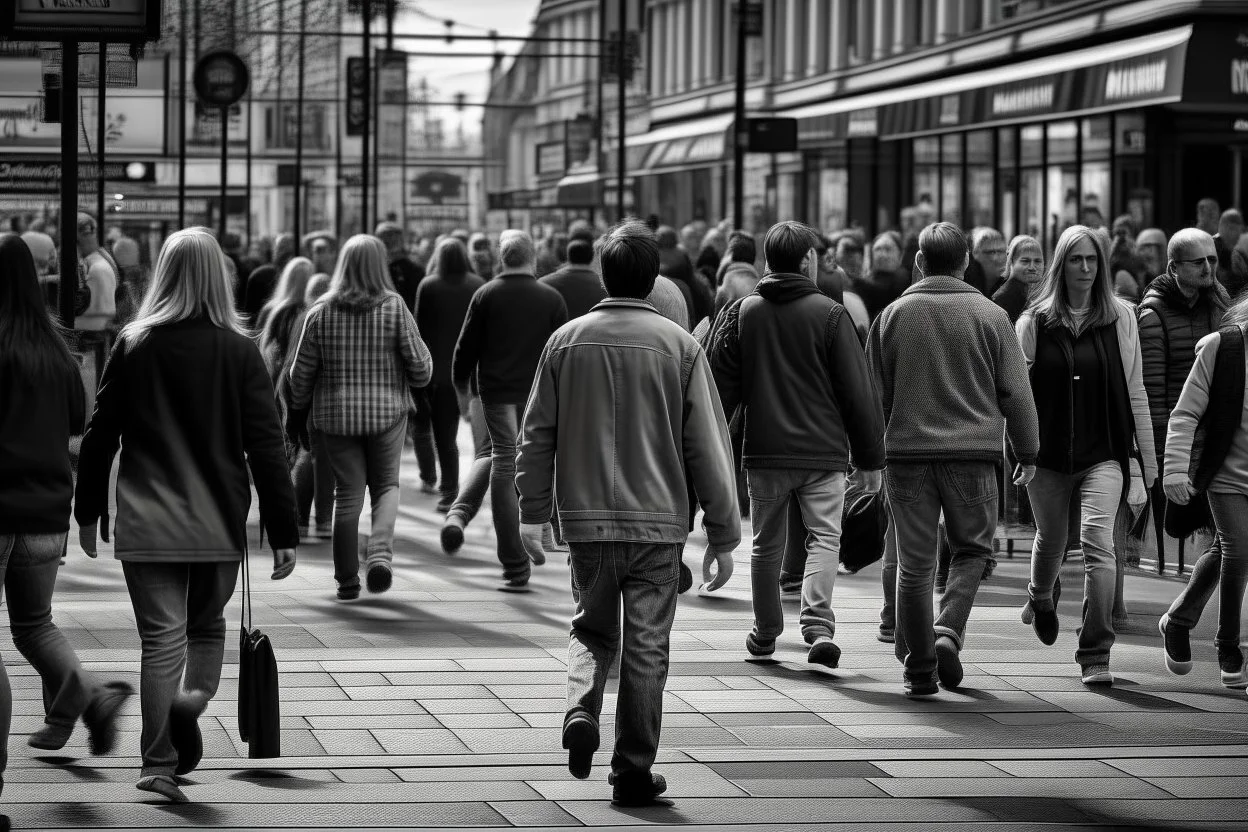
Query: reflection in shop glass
{"x": 221, "y": 78}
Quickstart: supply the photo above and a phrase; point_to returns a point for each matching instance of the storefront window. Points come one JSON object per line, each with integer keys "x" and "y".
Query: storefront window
{"x": 1007, "y": 180}
{"x": 979, "y": 178}
{"x": 1132, "y": 187}
{"x": 1129, "y": 134}
{"x": 1031, "y": 145}
{"x": 951, "y": 178}
{"x": 1031, "y": 198}
{"x": 833, "y": 199}
{"x": 1062, "y": 179}
{"x": 1094, "y": 176}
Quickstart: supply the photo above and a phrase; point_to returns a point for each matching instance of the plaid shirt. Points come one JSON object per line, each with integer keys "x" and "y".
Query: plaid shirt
{"x": 358, "y": 365}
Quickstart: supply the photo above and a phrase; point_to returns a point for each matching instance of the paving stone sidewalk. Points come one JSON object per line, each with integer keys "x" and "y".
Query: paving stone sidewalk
{"x": 438, "y": 705}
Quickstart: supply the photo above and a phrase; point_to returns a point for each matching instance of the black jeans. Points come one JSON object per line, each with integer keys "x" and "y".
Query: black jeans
{"x": 444, "y": 418}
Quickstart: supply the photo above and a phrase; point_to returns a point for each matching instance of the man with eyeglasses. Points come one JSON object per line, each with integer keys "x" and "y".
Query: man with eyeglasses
{"x": 1181, "y": 306}
{"x": 988, "y": 260}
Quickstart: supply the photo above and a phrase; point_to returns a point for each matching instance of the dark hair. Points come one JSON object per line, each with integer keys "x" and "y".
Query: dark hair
{"x": 787, "y": 244}
{"x": 742, "y": 248}
{"x": 310, "y": 239}
{"x": 853, "y": 245}
{"x": 32, "y": 347}
{"x": 450, "y": 258}
{"x": 629, "y": 256}
{"x": 581, "y": 230}
{"x": 944, "y": 250}
{"x": 666, "y": 237}
{"x": 580, "y": 252}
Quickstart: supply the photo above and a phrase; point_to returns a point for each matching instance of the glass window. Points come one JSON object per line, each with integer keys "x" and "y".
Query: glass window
{"x": 979, "y": 178}
{"x": 1008, "y": 189}
{"x": 1129, "y": 134}
{"x": 1007, "y": 150}
{"x": 1062, "y": 140}
{"x": 926, "y": 151}
{"x": 927, "y": 170}
{"x": 1096, "y": 199}
{"x": 1063, "y": 192}
{"x": 1031, "y": 145}
{"x": 979, "y": 147}
{"x": 951, "y": 149}
{"x": 951, "y": 194}
{"x": 1031, "y": 198}
{"x": 1096, "y": 138}
{"x": 833, "y": 199}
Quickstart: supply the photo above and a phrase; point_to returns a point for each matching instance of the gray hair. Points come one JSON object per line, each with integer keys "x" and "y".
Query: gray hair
{"x": 516, "y": 250}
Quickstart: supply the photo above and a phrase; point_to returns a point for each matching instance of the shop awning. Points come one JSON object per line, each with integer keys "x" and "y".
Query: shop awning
{"x": 703, "y": 140}
{"x": 1138, "y": 72}
{"x": 580, "y": 190}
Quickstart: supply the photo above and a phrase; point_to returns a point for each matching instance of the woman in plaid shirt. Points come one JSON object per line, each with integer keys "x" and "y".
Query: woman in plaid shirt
{"x": 359, "y": 358}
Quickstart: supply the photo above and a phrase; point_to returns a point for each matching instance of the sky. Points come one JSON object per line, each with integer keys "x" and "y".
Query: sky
{"x": 460, "y": 74}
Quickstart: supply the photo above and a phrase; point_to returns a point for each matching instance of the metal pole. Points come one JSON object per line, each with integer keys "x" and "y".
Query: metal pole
{"x": 99, "y": 144}
{"x": 225, "y": 150}
{"x": 303, "y": 25}
{"x": 375, "y": 170}
{"x": 69, "y": 180}
{"x": 621, "y": 159}
{"x": 366, "y": 138}
{"x": 182, "y": 116}
{"x": 247, "y": 197}
{"x": 739, "y": 127}
{"x": 600, "y": 124}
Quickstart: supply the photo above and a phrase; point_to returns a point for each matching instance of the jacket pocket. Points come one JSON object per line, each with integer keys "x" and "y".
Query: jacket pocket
{"x": 975, "y": 483}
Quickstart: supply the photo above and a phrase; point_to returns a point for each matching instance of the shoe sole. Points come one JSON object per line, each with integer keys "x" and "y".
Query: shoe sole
{"x": 825, "y": 655}
{"x": 760, "y": 652}
{"x": 948, "y": 664}
{"x": 164, "y": 788}
{"x": 349, "y": 594}
{"x": 915, "y": 693}
{"x": 452, "y": 539}
{"x": 886, "y": 638}
{"x": 580, "y": 738}
{"x": 379, "y": 579}
{"x": 1175, "y": 666}
{"x": 1234, "y": 681}
{"x": 523, "y": 588}
{"x": 43, "y": 745}
{"x": 1099, "y": 679}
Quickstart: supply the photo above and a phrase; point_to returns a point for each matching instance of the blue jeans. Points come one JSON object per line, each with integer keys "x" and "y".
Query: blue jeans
{"x": 1100, "y": 491}
{"x": 1225, "y": 564}
{"x": 180, "y": 612}
{"x": 644, "y": 576}
{"x": 359, "y": 462}
{"x": 503, "y": 423}
{"x": 472, "y": 494}
{"x": 888, "y": 573}
{"x": 33, "y": 560}
{"x": 917, "y": 493}
{"x": 820, "y": 495}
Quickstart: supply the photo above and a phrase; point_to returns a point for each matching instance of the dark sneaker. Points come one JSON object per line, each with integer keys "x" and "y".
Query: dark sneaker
{"x": 759, "y": 648}
{"x": 580, "y": 738}
{"x": 825, "y": 652}
{"x": 925, "y": 687}
{"x": 888, "y": 635}
{"x": 791, "y": 586}
{"x": 444, "y": 505}
{"x": 948, "y": 663}
{"x": 1096, "y": 674}
{"x": 101, "y": 716}
{"x": 686, "y": 579}
{"x": 163, "y": 785}
{"x": 1044, "y": 620}
{"x": 51, "y": 737}
{"x": 380, "y": 576}
{"x": 184, "y": 733}
{"x": 1177, "y": 646}
{"x": 636, "y": 790}
{"x": 514, "y": 585}
{"x": 452, "y": 538}
{"x": 1231, "y": 664}
{"x": 349, "y": 592}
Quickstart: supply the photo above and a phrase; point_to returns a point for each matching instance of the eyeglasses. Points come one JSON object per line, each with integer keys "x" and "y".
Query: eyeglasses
{"x": 1211, "y": 261}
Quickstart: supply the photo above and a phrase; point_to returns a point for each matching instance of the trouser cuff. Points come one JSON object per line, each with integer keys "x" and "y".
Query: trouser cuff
{"x": 946, "y": 631}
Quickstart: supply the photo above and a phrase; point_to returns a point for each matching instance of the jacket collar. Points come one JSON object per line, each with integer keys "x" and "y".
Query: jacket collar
{"x": 781, "y": 287}
{"x": 939, "y": 284}
{"x": 517, "y": 273}
{"x": 1166, "y": 289}
{"x": 625, "y": 303}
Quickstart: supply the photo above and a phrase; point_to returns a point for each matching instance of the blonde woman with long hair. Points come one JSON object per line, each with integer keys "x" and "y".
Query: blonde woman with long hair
{"x": 187, "y": 394}
{"x": 359, "y": 358}
{"x": 1082, "y": 346}
{"x": 279, "y": 318}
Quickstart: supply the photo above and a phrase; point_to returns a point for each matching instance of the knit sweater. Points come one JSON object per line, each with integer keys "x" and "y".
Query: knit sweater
{"x": 1232, "y": 476}
{"x": 951, "y": 376}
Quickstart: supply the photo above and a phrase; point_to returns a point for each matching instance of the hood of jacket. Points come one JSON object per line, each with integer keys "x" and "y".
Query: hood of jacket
{"x": 1166, "y": 289}
{"x": 785, "y": 288}
{"x": 353, "y": 302}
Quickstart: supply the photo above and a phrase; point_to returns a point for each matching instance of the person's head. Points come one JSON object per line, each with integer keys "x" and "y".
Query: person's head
{"x": 462, "y": 234}
{"x": 581, "y": 230}
{"x": 362, "y": 274}
{"x": 849, "y": 255}
{"x": 666, "y": 237}
{"x": 190, "y": 281}
{"x": 942, "y": 251}
{"x": 988, "y": 249}
{"x": 1150, "y": 247}
{"x": 42, "y": 248}
{"x": 1024, "y": 260}
{"x": 1231, "y": 226}
{"x": 318, "y": 285}
{"x": 516, "y": 252}
{"x": 1123, "y": 227}
{"x": 690, "y": 237}
{"x": 321, "y": 248}
{"x": 742, "y": 248}
{"x": 126, "y": 253}
{"x": 1192, "y": 258}
{"x": 1207, "y": 214}
{"x": 31, "y": 347}
{"x": 910, "y": 222}
{"x": 1125, "y": 286}
{"x": 628, "y": 256}
{"x": 391, "y": 237}
{"x": 790, "y": 248}
{"x": 716, "y": 240}
{"x": 450, "y": 259}
{"x": 885, "y": 253}
{"x": 478, "y": 242}
{"x": 580, "y": 253}
{"x": 284, "y": 248}
{"x": 292, "y": 285}
{"x": 86, "y": 234}
{"x": 1080, "y": 267}
{"x": 231, "y": 243}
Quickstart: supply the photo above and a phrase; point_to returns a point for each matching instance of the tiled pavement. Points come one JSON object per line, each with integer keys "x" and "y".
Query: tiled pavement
{"x": 438, "y": 705}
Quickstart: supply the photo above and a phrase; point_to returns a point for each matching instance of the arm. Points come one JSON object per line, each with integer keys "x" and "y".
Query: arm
{"x": 535, "y": 460}
{"x": 708, "y": 457}
{"x": 881, "y": 372}
{"x": 1193, "y": 401}
{"x": 103, "y": 437}
{"x": 1025, "y": 332}
{"x": 1153, "y": 367}
{"x": 416, "y": 360}
{"x": 307, "y": 364}
{"x": 725, "y": 358}
{"x": 422, "y": 309}
{"x": 266, "y": 453}
{"x": 77, "y": 402}
{"x": 468, "y": 347}
{"x": 855, "y": 393}
{"x": 1014, "y": 396}
{"x": 1129, "y": 346}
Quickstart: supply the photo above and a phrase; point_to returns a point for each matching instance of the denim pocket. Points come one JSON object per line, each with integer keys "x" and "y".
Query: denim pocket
{"x": 585, "y": 569}
{"x": 904, "y": 482}
{"x": 975, "y": 482}
{"x": 659, "y": 564}
{"x": 37, "y": 549}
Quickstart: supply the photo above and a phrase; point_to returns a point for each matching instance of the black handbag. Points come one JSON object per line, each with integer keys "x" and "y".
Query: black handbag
{"x": 259, "y": 716}
{"x": 1184, "y": 521}
{"x": 863, "y": 525}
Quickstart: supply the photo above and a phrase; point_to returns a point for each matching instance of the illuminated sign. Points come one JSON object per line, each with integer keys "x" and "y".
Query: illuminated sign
{"x": 113, "y": 20}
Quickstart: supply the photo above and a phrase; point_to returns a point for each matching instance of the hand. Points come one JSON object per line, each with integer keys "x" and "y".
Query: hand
{"x": 283, "y": 563}
{"x": 1024, "y": 474}
{"x": 871, "y": 481}
{"x": 722, "y": 558}
{"x": 86, "y": 539}
{"x": 1179, "y": 489}
{"x": 531, "y": 537}
{"x": 1137, "y": 495}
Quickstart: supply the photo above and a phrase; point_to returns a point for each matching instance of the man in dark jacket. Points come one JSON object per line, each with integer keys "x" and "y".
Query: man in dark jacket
{"x": 505, "y": 331}
{"x": 576, "y": 281}
{"x": 791, "y": 358}
{"x": 623, "y": 498}
{"x": 1180, "y": 307}
{"x": 405, "y": 274}
{"x": 675, "y": 265}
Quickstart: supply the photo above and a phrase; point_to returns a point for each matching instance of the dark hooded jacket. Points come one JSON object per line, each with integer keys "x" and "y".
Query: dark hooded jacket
{"x": 1169, "y": 330}
{"x": 790, "y": 357}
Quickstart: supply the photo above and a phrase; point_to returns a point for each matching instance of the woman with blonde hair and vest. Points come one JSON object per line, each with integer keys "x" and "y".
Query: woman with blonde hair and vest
{"x": 1082, "y": 347}
{"x": 187, "y": 395}
{"x": 1207, "y": 458}
{"x": 358, "y": 361}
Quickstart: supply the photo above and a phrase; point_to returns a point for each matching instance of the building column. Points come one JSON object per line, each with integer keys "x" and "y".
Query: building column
{"x": 989, "y": 13}
{"x": 946, "y": 20}
{"x": 714, "y": 29}
{"x": 673, "y": 47}
{"x": 863, "y": 37}
{"x": 839, "y": 35}
{"x": 816, "y": 47}
{"x": 904, "y": 12}
{"x": 791, "y": 36}
{"x": 697, "y": 34}
{"x": 883, "y": 26}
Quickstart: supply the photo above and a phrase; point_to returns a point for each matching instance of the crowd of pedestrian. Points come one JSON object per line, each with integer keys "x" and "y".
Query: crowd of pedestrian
{"x": 619, "y": 385}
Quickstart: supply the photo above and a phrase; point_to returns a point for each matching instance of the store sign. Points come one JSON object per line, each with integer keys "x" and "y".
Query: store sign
{"x": 44, "y": 175}
{"x": 580, "y": 137}
{"x": 1136, "y": 81}
{"x": 134, "y": 122}
{"x": 863, "y": 124}
{"x": 1023, "y": 99}
{"x": 81, "y": 19}
{"x": 950, "y": 110}
{"x": 552, "y": 158}
{"x": 1239, "y": 77}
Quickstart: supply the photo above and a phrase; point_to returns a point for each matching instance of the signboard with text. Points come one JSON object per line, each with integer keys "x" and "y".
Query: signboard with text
{"x": 87, "y": 20}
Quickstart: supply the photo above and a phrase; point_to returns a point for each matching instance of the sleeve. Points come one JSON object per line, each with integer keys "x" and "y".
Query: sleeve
{"x": 855, "y": 393}
{"x": 560, "y": 312}
{"x": 307, "y": 363}
{"x": 877, "y": 365}
{"x": 1025, "y": 332}
{"x": 1152, "y": 337}
{"x": 422, "y": 309}
{"x": 1014, "y": 396}
{"x": 100, "y": 444}
{"x": 1129, "y": 346}
{"x": 266, "y": 453}
{"x": 416, "y": 360}
{"x": 103, "y": 284}
{"x": 77, "y": 401}
{"x": 535, "y": 459}
{"x": 708, "y": 457}
{"x": 725, "y": 358}
{"x": 468, "y": 347}
{"x": 1193, "y": 401}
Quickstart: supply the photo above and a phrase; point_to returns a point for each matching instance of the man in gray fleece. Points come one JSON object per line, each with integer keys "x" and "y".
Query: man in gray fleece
{"x": 952, "y": 378}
